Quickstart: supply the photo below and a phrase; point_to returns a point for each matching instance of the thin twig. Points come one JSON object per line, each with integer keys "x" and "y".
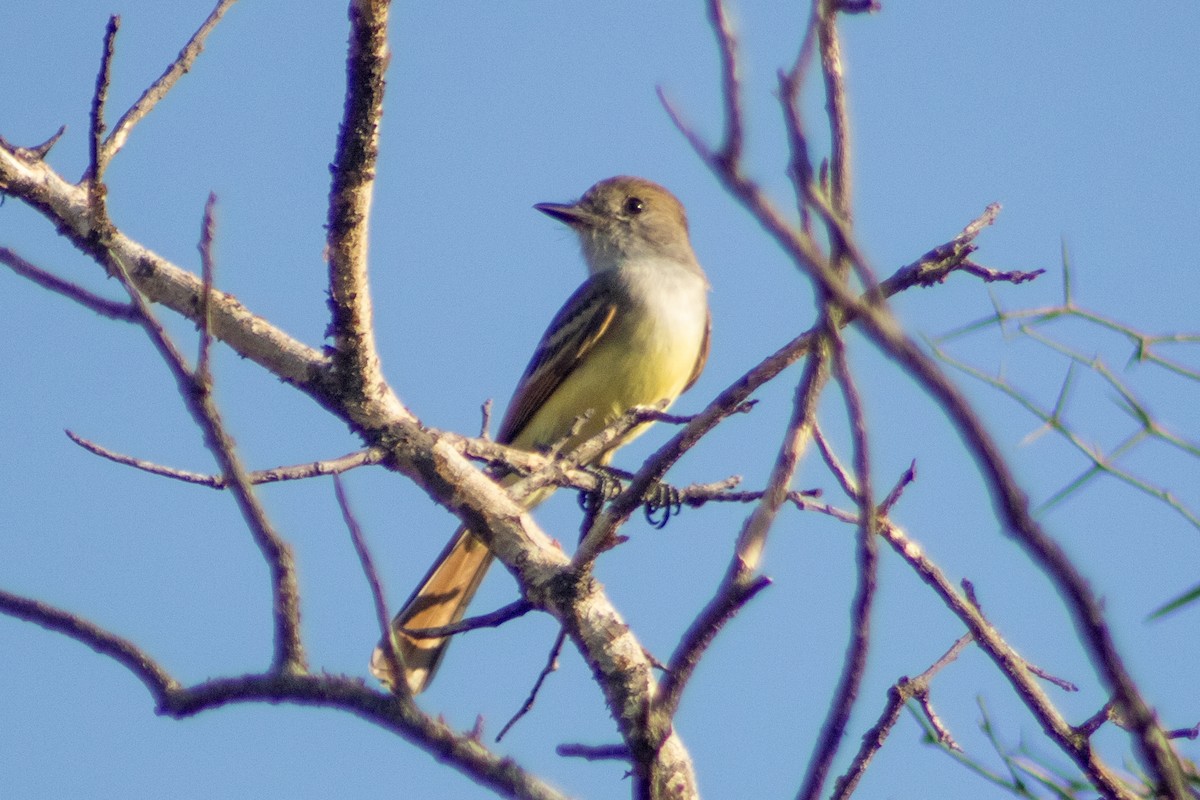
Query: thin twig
{"x": 898, "y": 695}
{"x": 1061, "y": 683}
{"x": 858, "y": 6}
{"x": 1011, "y": 665}
{"x": 493, "y": 619}
{"x": 741, "y": 583}
{"x": 159, "y": 89}
{"x": 123, "y": 312}
{"x": 37, "y": 152}
{"x": 1191, "y": 733}
{"x": 152, "y": 674}
{"x": 289, "y": 649}
{"x": 733, "y": 398}
{"x": 990, "y": 275}
{"x": 207, "y": 277}
{"x": 485, "y": 424}
{"x": 881, "y": 327}
{"x": 730, "y": 598}
{"x": 790, "y": 85}
{"x": 752, "y": 538}
{"x": 855, "y": 663}
{"x": 731, "y": 148}
{"x": 312, "y": 469}
{"x": 944, "y": 737}
{"x": 395, "y": 660}
{"x": 1101, "y": 463}
{"x": 1094, "y": 722}
{"x": 347, "y": 693}
{"x": 551, "y": 666}
{"x": 97, "y": 156}
{"x": 594, "y": 752}
{"x": 195, "y": 392}
{"x": 893, "y": 497}
{"x": 805, "y": 504}
{"x": 836, "y": 106}
{"x": 197, "y": 396}
{"x": 836, "y": 468}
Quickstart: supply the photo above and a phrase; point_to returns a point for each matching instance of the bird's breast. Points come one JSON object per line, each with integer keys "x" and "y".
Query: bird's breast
{"x": 647, "y": 357}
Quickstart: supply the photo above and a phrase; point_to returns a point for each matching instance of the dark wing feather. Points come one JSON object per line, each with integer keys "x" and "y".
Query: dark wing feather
{"x": 574, "y": 331}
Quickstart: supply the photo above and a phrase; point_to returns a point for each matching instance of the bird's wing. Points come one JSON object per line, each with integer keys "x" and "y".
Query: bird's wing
{"x": 702, "y": 359}
{"x": 582, "y": 322}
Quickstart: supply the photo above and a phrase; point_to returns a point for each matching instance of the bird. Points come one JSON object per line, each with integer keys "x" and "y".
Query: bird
{"x": 635, "y": 333}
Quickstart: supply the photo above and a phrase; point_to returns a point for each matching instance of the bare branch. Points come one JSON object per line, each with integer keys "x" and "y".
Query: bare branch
{"x": 145, "y": 466}
{"x": 330, "y": 691}
{"x": 1014, "y": 668}
{"x": 589, "y": 752}
{"x": 858, "y": 6}
{"x": 37, "y": 152}
{"x": 893, "y": 496}
{"x": 1101, "y": 463}
{"x": 551, "y": 666}
{"x": 67, "y": 207}
{"x": 97, "y": 157}
{"x": 463, "y": 751}
{"x": 752, "y": 538}
{"x": 327, "y": 691}
{"x": 494, "y": 619}
{"x": 993, "y": 275}
{"x": 1191, "y": 733}
{"x": 839, "y": 472}
{"x": 123, "y": 312}
{"x": 800, "y": 167}
{"x": 1012, "y": 506}
{"x": 740, "y": 583}
{"x": 485, "y": 425}
{"x": 197, "y": 396}
{"x": 159, "y": 89}
{"x": 855, "y": 663}
{"x": 356, "y": 358}
{"x": 836, "y": 106}
{"x": 156, "y": 679}
{"x": 1061, "y": 683}
{"x": 898, "y": 695}
{"x": 313, "y": 469}
{"x": 391, "y": 652}
{"x": 430, "y": 457}
{"x": 1097, "y": 720}
{"x": 730, "y": 598}
{"x": 733, "y": 398}
{"x": 731, "y": 148}
{"x": 207, "y": 271}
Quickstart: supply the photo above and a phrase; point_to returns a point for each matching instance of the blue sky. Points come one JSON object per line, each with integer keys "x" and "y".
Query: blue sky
{"x": 1081, "y": 122}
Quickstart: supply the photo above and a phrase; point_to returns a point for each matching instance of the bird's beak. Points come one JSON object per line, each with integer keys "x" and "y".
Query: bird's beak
{"x": 572, "y": 214}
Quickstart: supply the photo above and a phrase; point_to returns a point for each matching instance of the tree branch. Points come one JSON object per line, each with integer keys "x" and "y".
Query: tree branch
{"x": 462, "y": 751}
{"x": 122, "y": 312}
{"x": 855, "y": 662}
{"x": 898, "y": 696}
{"x": 355, "y": 357}
{"x": 1015, "y": 669}
{"x": 1011, "y": 504}
{"x": 159, "y": 89}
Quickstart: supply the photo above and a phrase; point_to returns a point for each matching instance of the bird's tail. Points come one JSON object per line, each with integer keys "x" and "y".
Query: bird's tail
{"x": 441, "y": 599}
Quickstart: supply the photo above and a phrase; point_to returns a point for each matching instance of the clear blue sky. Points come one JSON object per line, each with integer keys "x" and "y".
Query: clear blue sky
{"x": 1081, "y": 121}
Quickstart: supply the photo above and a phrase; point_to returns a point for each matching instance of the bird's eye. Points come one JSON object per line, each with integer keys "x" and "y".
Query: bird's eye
{"x": 634, "y": 206}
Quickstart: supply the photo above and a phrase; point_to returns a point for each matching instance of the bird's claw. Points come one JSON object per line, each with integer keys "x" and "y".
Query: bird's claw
{"x": 608, "y": 486}
{"x": 665, "y": 498}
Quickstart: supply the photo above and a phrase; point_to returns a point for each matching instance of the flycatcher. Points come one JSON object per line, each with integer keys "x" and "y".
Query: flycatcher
{"x": 636, "y": 333}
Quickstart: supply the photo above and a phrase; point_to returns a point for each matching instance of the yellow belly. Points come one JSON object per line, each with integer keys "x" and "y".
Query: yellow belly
{"x": 637, "y": 365}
